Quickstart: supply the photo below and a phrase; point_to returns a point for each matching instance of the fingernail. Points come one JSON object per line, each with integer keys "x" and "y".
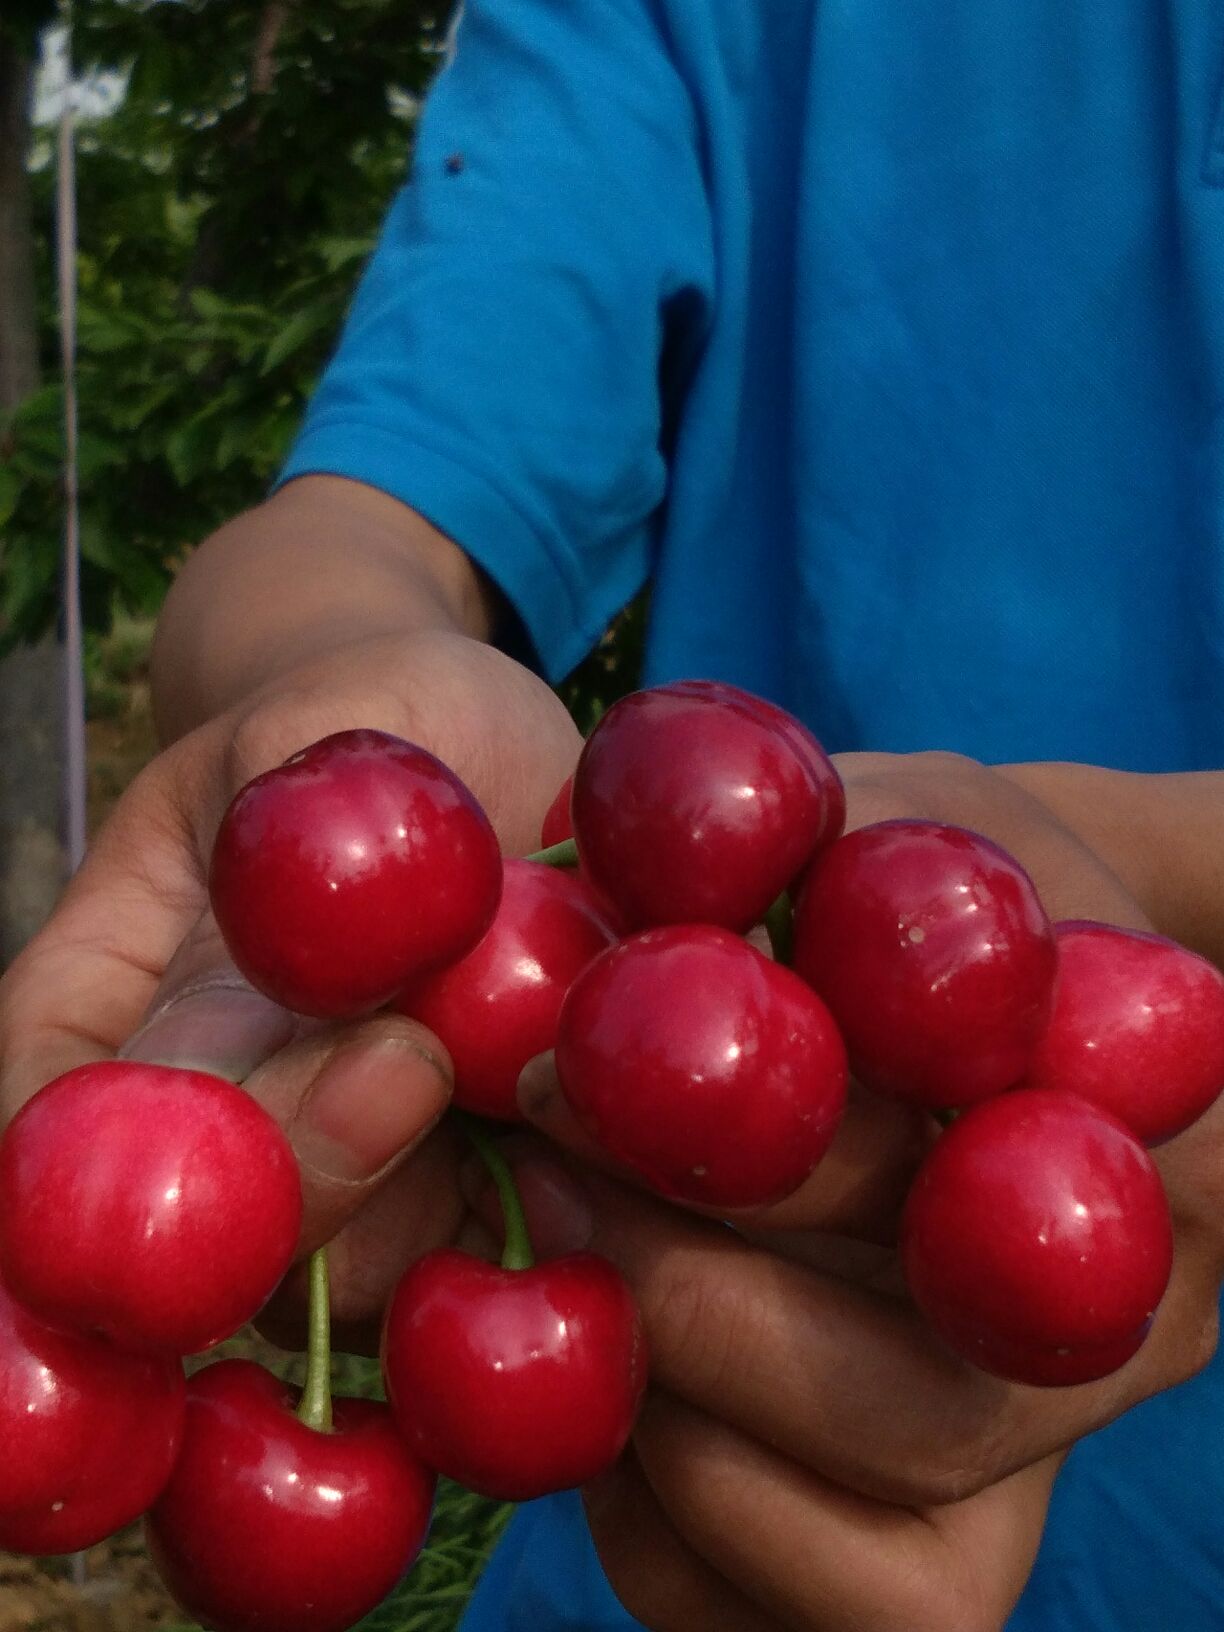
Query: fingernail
{"x": 364, "y": 1109}
{"x": 220, "y": 1026}
{"x": 558, "y": 1212}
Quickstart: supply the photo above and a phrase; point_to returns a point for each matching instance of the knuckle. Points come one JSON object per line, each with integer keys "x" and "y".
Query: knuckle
{"x": 698, "y": 1325}
{"x": 1196, "y": 1354}
{"x": 957, "y": 1460}
{"x": 936, "y": 1595}
{"x": 267, "y": 735}
{"x": 943, "y": 763}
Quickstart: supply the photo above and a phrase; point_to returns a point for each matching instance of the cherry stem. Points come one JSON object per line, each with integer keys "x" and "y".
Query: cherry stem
{"x": 564, "y": 854}
{"x": 779, "y": 926}
{"x": 516, "y": 1253}
{"x": 315, "y": 1409}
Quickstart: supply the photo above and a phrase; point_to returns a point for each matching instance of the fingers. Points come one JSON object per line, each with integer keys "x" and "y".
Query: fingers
{"x": 658, "y": 1577}
{"x": 1071, "y": 879}
{"x": 414, "y": 1209}
{"x": 855, "y": 1385}
{"x": 817, "y": 1557}
{"x": 354, "y": 1101}
{"x": 84, "y": 983}
{"x": 857, "y": 1190}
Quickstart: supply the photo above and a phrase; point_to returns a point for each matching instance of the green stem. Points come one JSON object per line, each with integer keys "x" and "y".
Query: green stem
{"x": 316, "y": 1407}
{"x": 517, "y": 1253}
{"x": 564, "y": 854}
{"x": 780, "y": 926}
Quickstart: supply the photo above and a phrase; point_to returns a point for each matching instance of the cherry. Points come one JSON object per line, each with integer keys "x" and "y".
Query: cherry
{"x": 349, "y": 870}
{"x": 1137, "y": 1027}
{"x": 268, "y": 1525}
{"x": 1037, "y": 1238}
{"x": 155, "y": 1206}
{"x": 931, "y": 948}
{"x": 700, "y": 803}
{"x": 515, "y": 1382}
{"x": 714, "y": 1073}
{"x": 558, "y": 824}
{"x": 89, "y": 1433}
{"x": 498, "y": 1007}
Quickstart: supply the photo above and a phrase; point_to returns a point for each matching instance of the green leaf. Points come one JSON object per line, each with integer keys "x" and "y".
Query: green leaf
{"x": 300, "y": 328}
{"x": 188, "y": 451}
{"x": 10, "y": 491}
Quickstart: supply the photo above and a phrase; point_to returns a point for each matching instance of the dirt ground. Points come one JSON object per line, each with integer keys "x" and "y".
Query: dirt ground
{"x": 115, "y": 1590}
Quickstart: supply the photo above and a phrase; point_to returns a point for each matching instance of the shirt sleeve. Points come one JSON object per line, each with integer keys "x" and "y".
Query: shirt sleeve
{"x": 499, "y": 370}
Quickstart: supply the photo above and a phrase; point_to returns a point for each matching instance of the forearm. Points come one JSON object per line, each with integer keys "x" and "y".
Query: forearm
{"x": 1162, "y": 835}
{"x": 324, "y": 563}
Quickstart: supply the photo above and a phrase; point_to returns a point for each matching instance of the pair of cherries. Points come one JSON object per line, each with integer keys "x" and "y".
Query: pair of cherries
{"x": 147, "y": 1214}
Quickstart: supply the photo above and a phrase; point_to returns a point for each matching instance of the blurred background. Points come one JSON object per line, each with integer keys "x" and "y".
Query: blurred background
{"x": 233, "y": 161}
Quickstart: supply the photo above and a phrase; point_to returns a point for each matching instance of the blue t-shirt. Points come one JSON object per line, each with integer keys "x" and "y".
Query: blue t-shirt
{"x": 886, "y": 341}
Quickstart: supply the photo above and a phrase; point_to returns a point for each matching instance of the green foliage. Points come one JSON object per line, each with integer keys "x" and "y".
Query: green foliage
{"x": 225, "y": 210}
{"x": 464, "y": 1532}
{"x": 610, "y": 671}
{"x": 23, "y": 20}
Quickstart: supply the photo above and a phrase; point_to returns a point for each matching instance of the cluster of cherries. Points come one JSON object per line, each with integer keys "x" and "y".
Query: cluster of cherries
{"x": 147, "y": 1213}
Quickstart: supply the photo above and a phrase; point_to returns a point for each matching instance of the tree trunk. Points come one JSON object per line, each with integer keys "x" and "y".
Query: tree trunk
{"x": 31, "y": 851}
{"x": 18, "y": 335}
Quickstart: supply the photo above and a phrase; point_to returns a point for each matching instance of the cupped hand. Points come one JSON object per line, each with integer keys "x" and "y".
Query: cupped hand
{"x": 131, "y": 961}
{"x": 812, "y": 1455}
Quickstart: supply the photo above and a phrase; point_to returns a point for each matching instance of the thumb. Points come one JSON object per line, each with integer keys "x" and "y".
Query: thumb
{"x": 354, "y": 1099}
{"x": 205, "y": 1017}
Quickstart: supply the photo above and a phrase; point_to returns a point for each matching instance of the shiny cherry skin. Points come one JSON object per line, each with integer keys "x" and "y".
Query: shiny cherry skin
{"x": 349, "y": 870}
{"x": 498, "y": 1007}
{"x": 156, "y": 1207}
{"x": 698, "y": 803}
{"x": 89, "y": 1434}
{"x": 715, "y": 1074}
{"x": 515, "y": 1382}
{"x": 1036, "y": 1238}
{"x": 270, "y": 1526}
{"x": 931, "y": 948}
{"x": 1137, "y": 1027}
{"x": 558, "y": 824}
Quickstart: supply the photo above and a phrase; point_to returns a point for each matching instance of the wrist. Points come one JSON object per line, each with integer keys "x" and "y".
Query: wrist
{"x": 324, "y": 564}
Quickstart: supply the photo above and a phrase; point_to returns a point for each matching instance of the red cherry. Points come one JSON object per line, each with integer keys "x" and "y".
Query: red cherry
{"x": 270, "y": 1526}
{"x": 515, "y": 1382}
{"x": 699, "y": 803}
{"x": 714, "y": 1073}
{"x": 558, "y": 825}
{"x": 155, "y": 1206}
{"x": 931, "y": 948}
{"x": 1037, "y": 1239}
{"x": 1137, "y": 1027}
{"x": 89, "y": 1434}
{"x": 349, "y": 870}
{"x": 497, "y": 1008}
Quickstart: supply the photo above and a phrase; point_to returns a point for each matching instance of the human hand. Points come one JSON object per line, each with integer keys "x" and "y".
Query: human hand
{"x": 812, "y": 1456}
{"x": 132, "y": 960}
